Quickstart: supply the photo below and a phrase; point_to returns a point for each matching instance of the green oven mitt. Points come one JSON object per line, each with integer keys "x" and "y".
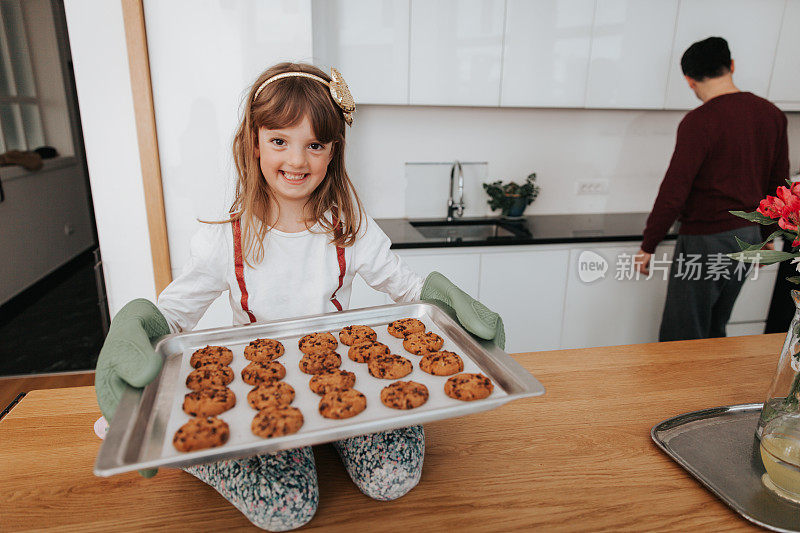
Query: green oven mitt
{"x": 127, "y": 356}
{"x": 473, "y": 315}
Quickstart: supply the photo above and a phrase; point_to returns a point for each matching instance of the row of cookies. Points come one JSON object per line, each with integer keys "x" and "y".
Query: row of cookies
{"x": 270, "y": 397}
{"x": 210, "y": 396}
{"x": 339, "y": 399}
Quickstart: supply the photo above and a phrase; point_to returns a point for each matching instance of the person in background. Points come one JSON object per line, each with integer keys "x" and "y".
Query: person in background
{"x": 729, "y": 153}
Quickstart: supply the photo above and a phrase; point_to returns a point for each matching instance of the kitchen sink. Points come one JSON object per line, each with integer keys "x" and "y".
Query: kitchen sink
{"x": 461, "y": 230}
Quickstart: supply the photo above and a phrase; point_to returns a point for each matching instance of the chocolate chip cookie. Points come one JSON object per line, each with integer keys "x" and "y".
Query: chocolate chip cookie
{"x": 390, "y": 366}
{"x": 404, "y": 395}
{"x": 405, "y": 326}
{"x": 200, "y": 433}
{"x": 256, "y": 373}
{"x": 211, "y": 354}
{"x": 210, "y": 375}
{"x": 360, "y": 353}
{"x": 270, "y": 394}
{"x": 468, "y": 387}
{"x": 331, "y": 380}
{"x": 277, "y": 421}
{"x": 442, "y": 363}
{"x": 314, "y": 363}
{"x": 351, "y": 335}
{"x": 209, "y": 402}
{"x": 317, "y": 342}
{"x": 340, "y": 404}
{"x": 263, "y": 350}
{"x": 423, "y": 343}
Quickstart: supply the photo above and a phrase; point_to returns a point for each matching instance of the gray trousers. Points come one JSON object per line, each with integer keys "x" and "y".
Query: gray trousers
{"x": 703, "y": 284}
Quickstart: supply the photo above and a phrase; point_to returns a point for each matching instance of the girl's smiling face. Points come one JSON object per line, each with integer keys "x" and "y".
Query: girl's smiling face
{"x": 293, "y": 161}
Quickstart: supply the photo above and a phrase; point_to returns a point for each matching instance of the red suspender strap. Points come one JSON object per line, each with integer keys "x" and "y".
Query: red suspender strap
{"x": 337, "y": 231}
{"x": 239, "y": 265}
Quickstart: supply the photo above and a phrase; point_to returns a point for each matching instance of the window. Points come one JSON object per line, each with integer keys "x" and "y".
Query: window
{"x": 21, "y": 125}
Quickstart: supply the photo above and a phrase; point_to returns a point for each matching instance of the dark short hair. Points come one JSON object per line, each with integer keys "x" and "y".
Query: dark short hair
{"x": 709, "y": 58}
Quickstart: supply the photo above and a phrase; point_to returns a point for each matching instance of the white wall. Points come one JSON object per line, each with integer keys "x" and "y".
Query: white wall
{"x": 102, "y": 78}
{"x": 630, "y": 149}
{"x": 198, "y": 84}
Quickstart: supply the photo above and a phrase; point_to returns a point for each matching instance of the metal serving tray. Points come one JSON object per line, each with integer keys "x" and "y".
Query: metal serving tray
{"x": 719, "y": 447}
{"x": 141, "y": 433}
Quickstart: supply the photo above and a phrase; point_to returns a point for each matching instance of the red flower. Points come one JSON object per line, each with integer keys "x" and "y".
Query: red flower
{"x": 786, "y": 206}
{"x": 771, "y": 207}
{"x": 790, "y": 197}
{"x": 788, "y": 221}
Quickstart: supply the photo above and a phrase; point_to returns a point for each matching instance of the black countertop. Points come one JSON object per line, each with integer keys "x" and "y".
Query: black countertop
{"x": 536, "y": 229}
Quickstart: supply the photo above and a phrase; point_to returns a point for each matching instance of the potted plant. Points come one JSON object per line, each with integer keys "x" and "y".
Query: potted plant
{"x": 512, "y": 198}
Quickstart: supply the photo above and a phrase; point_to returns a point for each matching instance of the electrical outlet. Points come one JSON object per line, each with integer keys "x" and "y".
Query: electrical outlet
{"x": 592, "y": 187}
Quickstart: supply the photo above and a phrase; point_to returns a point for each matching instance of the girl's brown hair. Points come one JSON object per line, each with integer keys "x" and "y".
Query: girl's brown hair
{"x": 283, "y": 103}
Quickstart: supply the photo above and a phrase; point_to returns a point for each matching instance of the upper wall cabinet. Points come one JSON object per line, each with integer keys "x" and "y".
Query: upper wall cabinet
{"x": 367, "y": 41}
{"x": 784, "y": 88}
{"x": 546, "y": 52}
{"x": 456, "y": 48}
{"x": 751, "y": 28}
{"x": 631, "y": 49}
{"x": 617, "y": 54}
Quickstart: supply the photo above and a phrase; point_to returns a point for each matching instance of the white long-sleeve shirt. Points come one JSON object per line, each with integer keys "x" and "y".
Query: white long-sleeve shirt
{"x": 298, "y": 275}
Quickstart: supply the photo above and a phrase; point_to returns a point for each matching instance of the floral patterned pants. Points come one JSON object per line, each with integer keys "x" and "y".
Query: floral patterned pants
{"x": 278, "y": 491}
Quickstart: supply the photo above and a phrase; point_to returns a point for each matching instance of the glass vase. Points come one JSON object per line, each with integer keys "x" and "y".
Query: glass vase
{"x": 783, "y": 398}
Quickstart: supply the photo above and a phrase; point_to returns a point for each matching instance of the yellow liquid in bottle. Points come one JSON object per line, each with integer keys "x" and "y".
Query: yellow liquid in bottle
{"x": 781, "y": 457}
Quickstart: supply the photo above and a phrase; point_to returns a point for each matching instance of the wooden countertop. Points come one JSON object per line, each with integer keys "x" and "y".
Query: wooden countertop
{"x": 579, "y": 458}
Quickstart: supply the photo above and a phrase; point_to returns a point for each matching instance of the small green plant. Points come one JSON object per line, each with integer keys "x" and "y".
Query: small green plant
{"x": 512, "y": 198}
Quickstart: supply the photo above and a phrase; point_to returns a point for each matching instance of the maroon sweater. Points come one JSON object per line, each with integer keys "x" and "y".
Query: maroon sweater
{"x": 729, "y": 154}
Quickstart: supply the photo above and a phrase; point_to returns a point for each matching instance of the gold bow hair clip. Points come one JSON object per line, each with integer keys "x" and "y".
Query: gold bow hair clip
{"x": 337, "y": 87}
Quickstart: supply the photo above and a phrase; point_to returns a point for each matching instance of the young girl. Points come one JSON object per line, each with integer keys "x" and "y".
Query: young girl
{"x": 296, "y": 237}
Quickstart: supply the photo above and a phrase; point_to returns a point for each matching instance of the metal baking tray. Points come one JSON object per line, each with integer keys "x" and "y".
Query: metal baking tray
{"x": 146, "y": 419}
{"x": 719, "y": 447}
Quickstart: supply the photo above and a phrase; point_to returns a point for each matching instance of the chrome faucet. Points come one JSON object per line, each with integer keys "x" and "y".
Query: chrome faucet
{"x": 452, "y": 205}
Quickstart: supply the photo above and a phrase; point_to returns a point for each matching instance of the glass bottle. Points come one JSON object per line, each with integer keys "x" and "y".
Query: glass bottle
{"x": 783, "y": 397}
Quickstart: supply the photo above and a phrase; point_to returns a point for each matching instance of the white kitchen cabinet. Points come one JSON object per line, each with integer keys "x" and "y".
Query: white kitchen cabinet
{"x": 460, "y": 267}
{"x": 631, "y": 51}
{"x": 527, "y": 289}
{"x": 546, "y": 53}
{"x": 752, "y": 304}
{"x": 784, "y": 88}
{"x": 367, "y": 41}
{"x": 546, "y": 304}
{"x": 610, "y": 311}
{"x": 745, "y": 328}
{"x": 455, "y": 52}
{"x": 751, "y": 29}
